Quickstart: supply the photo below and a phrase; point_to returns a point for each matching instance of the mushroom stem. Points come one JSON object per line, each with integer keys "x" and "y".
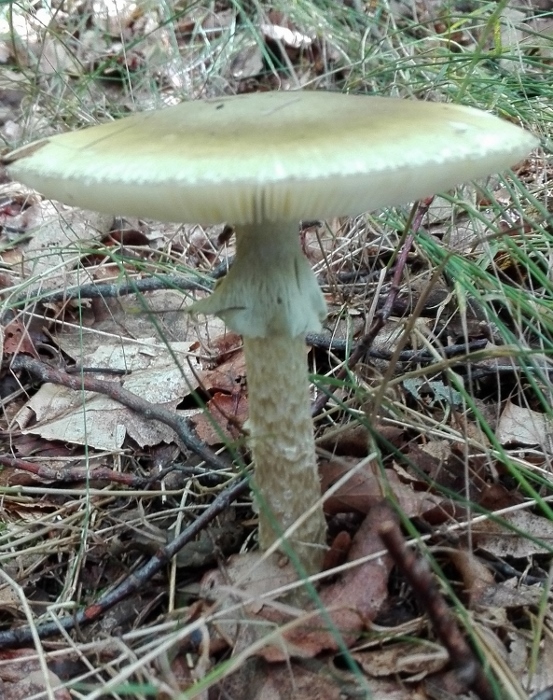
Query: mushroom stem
{"x": 272, "y": 298}
{"x": 270, "y": 289}
{"x": 281, "y": 438}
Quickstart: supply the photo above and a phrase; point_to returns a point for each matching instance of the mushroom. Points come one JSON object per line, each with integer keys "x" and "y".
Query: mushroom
{"x": 263, "y": 162}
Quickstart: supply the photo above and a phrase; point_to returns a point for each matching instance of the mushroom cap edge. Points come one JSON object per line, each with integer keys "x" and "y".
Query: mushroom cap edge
{"x": 270, "y": 156}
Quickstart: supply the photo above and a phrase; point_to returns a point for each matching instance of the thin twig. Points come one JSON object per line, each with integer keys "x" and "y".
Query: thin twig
{"x": 116, "y": 392}
{"x": 323, "y": 342}
{"x": 417, "y": 572}
{"x": 97, "y": 290}
{"x": 134, "y": 582}
{"x": 110, "y": 291}
{"x": 71, "y": 474}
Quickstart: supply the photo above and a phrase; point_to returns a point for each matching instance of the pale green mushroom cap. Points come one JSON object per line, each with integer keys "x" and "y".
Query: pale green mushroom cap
{"x": 273, "y": 156}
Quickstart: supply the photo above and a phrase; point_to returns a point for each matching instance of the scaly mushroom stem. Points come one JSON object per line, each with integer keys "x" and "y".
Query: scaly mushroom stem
{"x": 281, "y": 439}
{"x": 272, "y": 298}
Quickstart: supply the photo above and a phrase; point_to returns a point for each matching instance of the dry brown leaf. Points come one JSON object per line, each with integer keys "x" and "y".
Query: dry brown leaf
{"x": 114, "y": 16}
{"x": 284, "y": 683}
{"x": 58, "y": 413}
{"x": 224, "y": 346}
{"x": 535, "y": 677}
{"x": 484, "y": 593}
{"x": 55, "y": 232}
{"x": 129, "y": 319}
{"x": 394, "y": 690}
{"x": 522, "y": 426}
{"x": 447, "y": 684}
{"x": 17, "y": 339}
{"x": 223, "y": 420}
{"x": 280, "y": 685}
{"x": 502, "y": 541}
{"x": 10, "y": 603}
{"x": 227, "y": 377}
{"x": 55, "y": 59}
{"x": 350, "y": 440}
{"x": 22, "y": 677}
{"x": 284, "y": 34}
{"x": 496, "y": 496}
{"x": 365, "y": 489}
{"x": 362, "y": 490}
{"x": 248, "y": 62}
{"x": 477, "y": 578}
{"x": 227, "y": 410}
{"x": 352, "y": 602}
{"x": 411, "y": 660}
{"x": 509, "y": 594}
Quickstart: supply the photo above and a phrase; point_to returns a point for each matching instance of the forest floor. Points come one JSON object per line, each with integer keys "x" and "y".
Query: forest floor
{"x": 442, "y": 422}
